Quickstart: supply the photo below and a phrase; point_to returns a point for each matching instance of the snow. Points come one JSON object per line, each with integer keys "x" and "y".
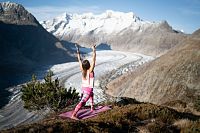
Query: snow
{"x": 109, "y": 22}
{"x": 9, "y": 5}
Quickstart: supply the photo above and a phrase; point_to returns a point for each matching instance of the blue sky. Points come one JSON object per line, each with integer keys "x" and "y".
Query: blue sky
{"x": 180, "y": 14}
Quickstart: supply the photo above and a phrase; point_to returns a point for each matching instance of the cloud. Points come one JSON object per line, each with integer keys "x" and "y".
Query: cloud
{"x": 49, "y": 12}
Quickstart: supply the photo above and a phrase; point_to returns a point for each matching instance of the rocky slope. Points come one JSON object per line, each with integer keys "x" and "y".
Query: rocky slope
{"x": 122, "y": 31}
{"x": 173, "y": 76}
{"x": 25, "y": 45}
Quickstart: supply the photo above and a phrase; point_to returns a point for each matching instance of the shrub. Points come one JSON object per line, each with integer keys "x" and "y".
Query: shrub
{"x": 47, "y": 94}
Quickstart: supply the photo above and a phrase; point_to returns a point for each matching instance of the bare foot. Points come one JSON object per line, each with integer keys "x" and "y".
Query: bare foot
{"x": 92, "y": 108}
{"x": 74, "y": 117}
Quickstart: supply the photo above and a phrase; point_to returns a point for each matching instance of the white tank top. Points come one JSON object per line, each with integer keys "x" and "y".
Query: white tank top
{"x": 89, "y": 81}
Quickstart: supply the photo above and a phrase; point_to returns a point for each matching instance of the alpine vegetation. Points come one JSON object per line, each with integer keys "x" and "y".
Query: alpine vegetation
{"x": 48, "y": 94}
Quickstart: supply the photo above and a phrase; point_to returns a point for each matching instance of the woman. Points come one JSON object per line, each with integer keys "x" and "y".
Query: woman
{"x": 87, "y": 81}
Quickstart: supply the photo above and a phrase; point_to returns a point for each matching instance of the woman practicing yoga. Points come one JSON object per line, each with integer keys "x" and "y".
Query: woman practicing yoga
{"x": 87, "y": 70}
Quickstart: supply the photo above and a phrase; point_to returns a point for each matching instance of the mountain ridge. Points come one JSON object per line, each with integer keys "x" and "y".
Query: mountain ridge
{"x": 26, "y": 46}
{"x": 122, "y": 31}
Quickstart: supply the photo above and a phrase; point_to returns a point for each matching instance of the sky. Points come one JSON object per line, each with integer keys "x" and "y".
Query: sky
{"x": 180, "y": 14}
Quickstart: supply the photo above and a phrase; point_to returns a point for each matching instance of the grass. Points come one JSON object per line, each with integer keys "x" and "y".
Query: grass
{"x": 127, "y": 116}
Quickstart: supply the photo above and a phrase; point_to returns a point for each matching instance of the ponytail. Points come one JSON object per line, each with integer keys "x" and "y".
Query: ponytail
{"x": 86, "y": 66}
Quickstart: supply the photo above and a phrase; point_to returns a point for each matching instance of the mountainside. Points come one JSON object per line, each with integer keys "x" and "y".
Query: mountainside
{"x": 196, "y": 34}
{"x": 25, "y": 45}
{"x": 122, "y": 31}
{"x": 173, "y": 76}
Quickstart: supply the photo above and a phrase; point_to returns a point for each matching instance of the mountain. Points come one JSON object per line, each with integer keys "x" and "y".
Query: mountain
{"x": 173, "y": 76}
{"x": 196, "y": 33}
{"x": 25, "y": 45}
{"x": 122, "y": 31}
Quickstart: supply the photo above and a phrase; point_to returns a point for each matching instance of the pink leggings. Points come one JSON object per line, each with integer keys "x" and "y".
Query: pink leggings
{"x": 87, "y": 94}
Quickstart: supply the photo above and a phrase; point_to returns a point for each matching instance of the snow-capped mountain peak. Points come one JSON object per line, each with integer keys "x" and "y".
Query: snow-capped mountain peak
{"x": 13, "y": 13}
{"x": 119, "y": 30}
{"x": 10, "y": 6}
{"x": 107, "y": 23}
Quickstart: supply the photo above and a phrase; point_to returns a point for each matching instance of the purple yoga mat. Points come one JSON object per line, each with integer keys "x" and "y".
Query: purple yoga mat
{"x": 86, "y": 113}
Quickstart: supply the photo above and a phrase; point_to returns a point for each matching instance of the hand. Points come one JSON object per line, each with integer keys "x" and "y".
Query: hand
{"x": 94, "y": 47}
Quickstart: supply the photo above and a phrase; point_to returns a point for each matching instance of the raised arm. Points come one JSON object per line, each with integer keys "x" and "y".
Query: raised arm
{"x": 93, "y": 58}
{"x": 79, "y": 57}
